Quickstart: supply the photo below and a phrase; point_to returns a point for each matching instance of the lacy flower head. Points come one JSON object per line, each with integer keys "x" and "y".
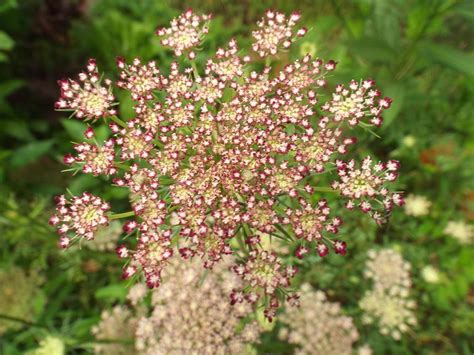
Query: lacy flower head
{"x": 319, "y": 327}
{"x": 86, "y": 97}
{"x": 417, "y": 206}
{"x": 220, "y": 156}
{"x": 388, "y": 303}
{"x": 188, "y": 314}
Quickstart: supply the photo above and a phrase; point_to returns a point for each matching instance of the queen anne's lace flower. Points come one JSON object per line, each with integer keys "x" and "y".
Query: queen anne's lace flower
{"x": 117, "y": 325}
{"x": 430, "y": 274}
{"x": 357, "y": 102}
{"x": 387, "y": 269}
{"x": 227, "y": 65}
{"x": 86, "y": 98}
{"x": 318, "y": 326}
{"x": 94, "y": 159}
{"x": 275, "y": 31}
{"x": 79, "y": 218}
{"x": 393, "y": 314}
{"x": 49, "y": 345}
{"x": 262, "y": 271}
{"x": 185, "y": 32}
{"x": 190, "y": 306}
{"x": 140, "y": 80}
{"x": 367, "y": 186}
{"x": 388, "y": 303}
{"x": 219, "y": 158}
{"x": 417, "y": 205}
{"x": 461, "y": 231}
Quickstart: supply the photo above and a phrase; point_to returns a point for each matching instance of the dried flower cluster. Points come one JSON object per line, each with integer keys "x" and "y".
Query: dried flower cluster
{"x": 186, "y": 315}
{"x": 215, "y": 159}
{"x": 16, "y": 294}
{"x": 388, "y": 302}
{"x": 318, "y": 327}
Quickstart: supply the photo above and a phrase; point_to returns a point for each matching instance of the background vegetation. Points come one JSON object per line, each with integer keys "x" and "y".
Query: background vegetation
{"x": 420, "y": 52}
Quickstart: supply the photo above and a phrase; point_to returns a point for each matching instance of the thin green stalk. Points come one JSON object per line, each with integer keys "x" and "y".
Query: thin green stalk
{"x": 122, "y": 215}
{"x": 324, "y": 189}
{"x": 281, "y": 229}
{"x": 195, "y": 69}
{"x": 23, "y": 321}
{"x": 118, "y": 121}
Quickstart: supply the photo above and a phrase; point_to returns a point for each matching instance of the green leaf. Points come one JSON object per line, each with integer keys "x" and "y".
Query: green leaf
{"x": 466, "y": 10}
{"x": 18, "y": 130}
{"x": 112, "y": 292}
{"x": 6, "y": 42}
{"x": 82, "y": 327}
{"x": 30, "y": 152}
{"x": 397, "y": 94}
{"x": 102, "y": 133}
{"x": 10, "y": 86}
{"x": 372, "y": 49}
{"x": 7, "y": 4}
{"x": 449, "y": 57}
{"x": 38, "y": 302}
{"x": 74, "y": 128}
{"x": 6, "y": 88}
{"x": 82, "y": 183}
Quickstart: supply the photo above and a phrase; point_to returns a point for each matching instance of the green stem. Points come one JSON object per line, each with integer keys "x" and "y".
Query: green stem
{"x": 283, "y": 230}
{"x": 324, "y": 189}
{"x": 19, "y": 320}
{"x": 118, "y": 121}
{"x": 122, "y": 215}
{"x": 195, "y": 69}
{"x": 339, "y": 13}
{"x": 241, "y": 238}
{"x": 122, "y": 166}
{"x": 268, "y": 62}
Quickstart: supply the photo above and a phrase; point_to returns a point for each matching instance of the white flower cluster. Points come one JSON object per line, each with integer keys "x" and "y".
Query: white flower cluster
{"x": 191, "y": 314}
{"x": 388, "y": 303}
{"x": 387, "y": 269}
{"x": 430, "y": 274}
{"x": 49, "y": 345}
{"x": 417, "y": 206}
{"x": 116, "y": 330}
{"x": 318, "y": 326}
{"x": 461, "y": 231}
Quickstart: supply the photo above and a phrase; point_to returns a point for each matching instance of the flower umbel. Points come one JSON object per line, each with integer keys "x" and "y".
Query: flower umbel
{"x": 86, "y": 97}
{"x": 275, "y": 31}
{"x": 318, "y": 327}
{"x": 79, "y": 218}
{"x": 219, "y": 160}
{"x": 185, "y": 33}
{"x": 388, "y": 304}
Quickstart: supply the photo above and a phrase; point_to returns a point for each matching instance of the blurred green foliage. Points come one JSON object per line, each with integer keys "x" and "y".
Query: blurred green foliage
{"x": 420, "y": 52}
